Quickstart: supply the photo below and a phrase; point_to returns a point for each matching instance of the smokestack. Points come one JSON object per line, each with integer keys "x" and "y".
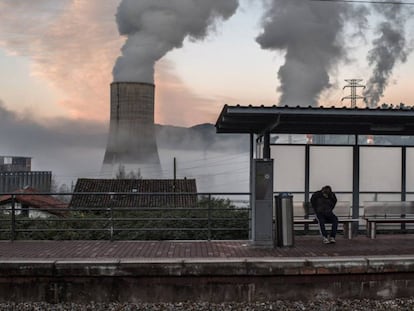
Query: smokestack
{"x": 153, "y": 28}
{"x": 131, "y": 140}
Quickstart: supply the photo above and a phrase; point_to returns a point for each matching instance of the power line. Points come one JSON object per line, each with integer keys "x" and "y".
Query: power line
{"x": 367, "y": 1}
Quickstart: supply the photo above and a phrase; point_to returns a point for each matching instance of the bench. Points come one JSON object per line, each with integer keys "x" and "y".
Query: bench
{"x": 303, "y": 215}
{"x": 391, "y": 212}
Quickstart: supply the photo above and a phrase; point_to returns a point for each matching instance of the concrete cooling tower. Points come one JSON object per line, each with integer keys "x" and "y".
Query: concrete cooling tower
{"x": 131, "y": 140}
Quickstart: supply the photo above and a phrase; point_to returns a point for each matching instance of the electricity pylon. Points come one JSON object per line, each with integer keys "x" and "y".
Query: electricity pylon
{"x": 353, "y": 84}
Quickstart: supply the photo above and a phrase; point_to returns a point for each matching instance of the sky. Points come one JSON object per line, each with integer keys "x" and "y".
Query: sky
{"x": 57, "y": 60}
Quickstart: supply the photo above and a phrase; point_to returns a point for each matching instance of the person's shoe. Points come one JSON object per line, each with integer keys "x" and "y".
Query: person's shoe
{"x": 325, "y": 241}
{"x": 332, "y": 240}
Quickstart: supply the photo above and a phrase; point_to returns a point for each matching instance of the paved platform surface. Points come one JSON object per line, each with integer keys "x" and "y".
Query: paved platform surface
{"x": 305, "y": 247}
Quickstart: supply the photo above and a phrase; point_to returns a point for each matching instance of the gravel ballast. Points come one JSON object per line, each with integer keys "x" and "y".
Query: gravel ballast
{"x": 319, "y": 305}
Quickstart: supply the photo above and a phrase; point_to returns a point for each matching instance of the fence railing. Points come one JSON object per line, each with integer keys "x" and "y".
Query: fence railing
{"x": 125, "y": 216}
{"x": 137, "y": 216}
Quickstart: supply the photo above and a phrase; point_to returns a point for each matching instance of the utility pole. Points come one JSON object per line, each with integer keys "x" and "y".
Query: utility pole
{"x": 353, "y": 84}
{"x": 175, "y": 181}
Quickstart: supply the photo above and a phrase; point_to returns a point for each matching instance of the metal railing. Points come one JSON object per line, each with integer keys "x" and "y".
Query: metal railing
{"x": 136, "y": 216}
{"x": 126, "y": 216}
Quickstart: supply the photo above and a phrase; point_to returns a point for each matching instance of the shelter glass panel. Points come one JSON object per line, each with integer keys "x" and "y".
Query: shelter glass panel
{"x": 331, "y": 165}
{"x": 289, "y": 168}
{"x": 410, "y": 170}
{"x": 380, "y": 169}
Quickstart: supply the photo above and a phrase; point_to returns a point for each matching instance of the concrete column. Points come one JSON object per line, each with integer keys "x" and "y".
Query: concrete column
{"x": 355, "y": 184}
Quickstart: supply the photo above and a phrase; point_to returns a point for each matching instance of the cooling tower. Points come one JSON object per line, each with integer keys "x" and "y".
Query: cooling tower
{"x": 131, "y": 140}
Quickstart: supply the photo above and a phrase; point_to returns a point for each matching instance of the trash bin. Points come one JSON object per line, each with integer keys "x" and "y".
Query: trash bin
{"x": 284, "y": 234}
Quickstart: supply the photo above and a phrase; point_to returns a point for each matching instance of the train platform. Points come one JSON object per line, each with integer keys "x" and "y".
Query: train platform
{"x": 215, "y": 271}
{"x": 304, "y": 247}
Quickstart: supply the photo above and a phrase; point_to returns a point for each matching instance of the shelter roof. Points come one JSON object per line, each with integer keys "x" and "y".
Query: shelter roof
{"x": 315, "y": 120}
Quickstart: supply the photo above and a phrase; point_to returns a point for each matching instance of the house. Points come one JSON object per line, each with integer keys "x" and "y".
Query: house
{"x": 131, "y": 193}
{"x": 28, "y": 202}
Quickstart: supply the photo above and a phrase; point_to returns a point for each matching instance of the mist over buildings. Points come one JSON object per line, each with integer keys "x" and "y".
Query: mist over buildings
{"x": 69, "y": 148}
{"x": 73, "y": 149}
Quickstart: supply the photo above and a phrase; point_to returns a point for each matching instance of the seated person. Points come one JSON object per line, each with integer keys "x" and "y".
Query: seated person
{"x": 323, "y": 203}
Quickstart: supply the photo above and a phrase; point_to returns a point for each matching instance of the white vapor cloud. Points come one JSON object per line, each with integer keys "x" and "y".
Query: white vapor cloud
{"x": 388, "y": 48}
{"x": 155, "y": 27}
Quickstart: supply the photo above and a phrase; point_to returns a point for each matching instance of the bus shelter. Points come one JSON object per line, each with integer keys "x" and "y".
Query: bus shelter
{"x": 260, "y": 122}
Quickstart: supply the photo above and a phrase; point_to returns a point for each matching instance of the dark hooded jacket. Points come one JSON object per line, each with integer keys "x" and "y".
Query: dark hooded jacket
{"x": 321, "y": 204}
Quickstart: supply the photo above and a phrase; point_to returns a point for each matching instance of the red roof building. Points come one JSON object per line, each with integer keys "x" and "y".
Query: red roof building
{"x": 28, "y": 201}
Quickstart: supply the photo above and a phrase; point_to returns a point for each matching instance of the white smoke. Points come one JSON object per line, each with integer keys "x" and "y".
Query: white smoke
{"x": 155, "y": 27}
{"x": 389, "y": 48}
{"x": 311, "y": 35}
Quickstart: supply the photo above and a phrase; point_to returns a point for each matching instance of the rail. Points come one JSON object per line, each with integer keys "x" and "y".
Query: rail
{"x": 135, "y": 215}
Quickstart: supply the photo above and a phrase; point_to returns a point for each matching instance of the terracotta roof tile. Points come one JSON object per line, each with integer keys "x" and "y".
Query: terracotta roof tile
{"x": 43, "y": 202}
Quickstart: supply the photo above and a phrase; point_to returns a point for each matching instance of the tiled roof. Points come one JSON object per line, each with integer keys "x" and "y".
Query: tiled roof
{"x": 134, "y": 193}
{"x": 42, "y": 202}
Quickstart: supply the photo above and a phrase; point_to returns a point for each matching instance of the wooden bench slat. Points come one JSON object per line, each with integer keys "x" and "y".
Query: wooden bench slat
{"x": 390, "y": 220}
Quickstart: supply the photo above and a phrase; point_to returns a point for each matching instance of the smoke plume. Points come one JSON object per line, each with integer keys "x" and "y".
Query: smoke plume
{"x": 388, "y": 48}
{"x": 311, "y": 35}
{"x": 155, "y": 27}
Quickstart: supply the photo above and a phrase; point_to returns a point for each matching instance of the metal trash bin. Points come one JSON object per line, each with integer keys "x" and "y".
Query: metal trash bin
{"x": 284, "y": 230}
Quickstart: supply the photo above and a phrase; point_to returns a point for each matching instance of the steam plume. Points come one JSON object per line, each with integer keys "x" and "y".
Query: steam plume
{"x": 310, "y": 34}
{"x": 155, "y": 27}
{"x": 388, "y": 48}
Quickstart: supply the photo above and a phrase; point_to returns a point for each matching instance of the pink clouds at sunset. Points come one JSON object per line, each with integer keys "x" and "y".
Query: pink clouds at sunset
{"x": 73, "y": 45}
{"x": 73, "y": 49}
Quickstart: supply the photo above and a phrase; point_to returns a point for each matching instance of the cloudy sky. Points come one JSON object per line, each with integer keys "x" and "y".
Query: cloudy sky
{"x": 58, "y": 59}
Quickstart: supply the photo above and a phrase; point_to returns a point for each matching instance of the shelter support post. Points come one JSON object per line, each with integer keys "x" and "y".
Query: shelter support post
{"x": 403, "y": 178}
{"x": 251, "y": 182}
{"x": 266, "y": 145}
{"x": 355, "y": 185}
{"x": 404, "y": 173}
{"x": 307, "y": 184}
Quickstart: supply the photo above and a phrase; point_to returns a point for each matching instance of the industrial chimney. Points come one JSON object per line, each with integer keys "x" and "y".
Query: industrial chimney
{"x": 131, "y": 140}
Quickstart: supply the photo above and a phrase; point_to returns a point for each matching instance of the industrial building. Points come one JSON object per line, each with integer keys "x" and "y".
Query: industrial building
{"x": 16, "y": 173}
{"x": 13, "y": 164}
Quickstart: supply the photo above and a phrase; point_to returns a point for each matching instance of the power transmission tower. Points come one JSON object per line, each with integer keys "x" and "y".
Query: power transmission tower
{"x": 353, "y": 84}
